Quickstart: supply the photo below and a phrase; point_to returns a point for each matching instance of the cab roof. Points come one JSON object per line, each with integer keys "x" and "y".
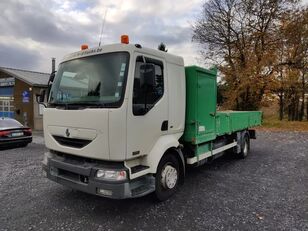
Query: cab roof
{"x": 178, "y": 60}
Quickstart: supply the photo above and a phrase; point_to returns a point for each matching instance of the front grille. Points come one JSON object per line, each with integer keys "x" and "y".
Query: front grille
{"x": 71, "y": 176}
{"x": 71, "y": 142}
{"x": 68, "y": 175}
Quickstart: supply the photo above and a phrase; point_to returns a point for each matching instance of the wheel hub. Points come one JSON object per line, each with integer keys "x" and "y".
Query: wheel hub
{"x": 169, "y": 177}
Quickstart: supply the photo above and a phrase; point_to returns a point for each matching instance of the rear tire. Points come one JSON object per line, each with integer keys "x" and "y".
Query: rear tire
{"x": 245, "y": 147}
{"x": 167, "y": 177}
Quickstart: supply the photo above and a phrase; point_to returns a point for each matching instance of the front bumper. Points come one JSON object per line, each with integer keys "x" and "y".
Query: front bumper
{"x": 81, "y": 176}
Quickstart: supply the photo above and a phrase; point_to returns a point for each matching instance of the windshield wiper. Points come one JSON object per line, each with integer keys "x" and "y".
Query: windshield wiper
{"x": 65, "y": 105}
{"x": 78, "y": 105}
{"x": 88, "y": 104}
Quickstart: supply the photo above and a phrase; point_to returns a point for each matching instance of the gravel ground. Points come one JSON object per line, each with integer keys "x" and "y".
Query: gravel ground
{"x": 266, "y": 191}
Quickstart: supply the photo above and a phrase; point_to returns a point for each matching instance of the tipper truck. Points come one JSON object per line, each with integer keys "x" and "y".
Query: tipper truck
{"x": 123, "y": 121}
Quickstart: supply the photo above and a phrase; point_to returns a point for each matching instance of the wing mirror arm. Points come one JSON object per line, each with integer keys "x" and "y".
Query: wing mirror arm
{"x": 40, "y": 98}
{"x": 51, "y": 77}
{"x": 50, "y": 82}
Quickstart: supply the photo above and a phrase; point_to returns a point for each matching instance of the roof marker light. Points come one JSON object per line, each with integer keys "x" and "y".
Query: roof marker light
{"x": 84, "y": 47}
{"x": 124, "y": 39}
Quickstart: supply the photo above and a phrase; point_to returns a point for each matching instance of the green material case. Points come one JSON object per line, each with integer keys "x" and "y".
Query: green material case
{"x": 203, "y": 123}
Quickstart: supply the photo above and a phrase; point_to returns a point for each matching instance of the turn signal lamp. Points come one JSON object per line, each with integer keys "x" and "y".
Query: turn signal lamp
{"x": 84, "y": 47}
{"x": 124, "y": 39}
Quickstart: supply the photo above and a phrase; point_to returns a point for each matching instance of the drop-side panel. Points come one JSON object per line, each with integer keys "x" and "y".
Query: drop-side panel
{"x": 231, "y": 121}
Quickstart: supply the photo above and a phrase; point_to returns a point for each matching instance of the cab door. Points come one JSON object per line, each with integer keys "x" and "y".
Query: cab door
{"x": 147, "y": 117}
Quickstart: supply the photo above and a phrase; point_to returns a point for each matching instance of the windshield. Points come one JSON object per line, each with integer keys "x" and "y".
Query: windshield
{"x": 95, "y": 80}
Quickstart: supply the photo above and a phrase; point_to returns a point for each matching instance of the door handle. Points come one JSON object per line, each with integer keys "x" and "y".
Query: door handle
{"x": 164, "y": 125}
{"x": 213, "y": 114}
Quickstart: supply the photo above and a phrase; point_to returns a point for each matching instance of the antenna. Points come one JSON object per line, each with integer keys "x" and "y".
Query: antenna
{"x": 102, "y": 29}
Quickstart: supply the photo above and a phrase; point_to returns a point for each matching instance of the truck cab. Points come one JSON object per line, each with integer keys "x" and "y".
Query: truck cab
{"x": 113, "y": 112}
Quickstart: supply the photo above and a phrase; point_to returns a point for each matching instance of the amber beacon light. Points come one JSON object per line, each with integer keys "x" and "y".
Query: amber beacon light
{"x": 84, "y": 46}
{"x": 125, "y": 39}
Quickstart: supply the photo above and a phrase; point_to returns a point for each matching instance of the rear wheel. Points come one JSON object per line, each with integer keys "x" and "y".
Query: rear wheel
{"x": 167, "y": 177}
{"x": 245, "y": 147}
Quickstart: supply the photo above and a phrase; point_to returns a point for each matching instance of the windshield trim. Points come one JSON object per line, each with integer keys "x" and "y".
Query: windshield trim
{"x": 117, "y": 104}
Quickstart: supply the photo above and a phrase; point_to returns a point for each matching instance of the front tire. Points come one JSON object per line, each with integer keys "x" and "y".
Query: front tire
{"x": 167, "y": 177}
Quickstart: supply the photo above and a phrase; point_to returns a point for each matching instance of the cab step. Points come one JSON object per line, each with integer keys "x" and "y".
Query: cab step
{"x": 138, "y": 168}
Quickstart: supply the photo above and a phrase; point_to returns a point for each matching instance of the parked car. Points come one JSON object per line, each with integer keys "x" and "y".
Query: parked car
{"x": 14, "y": 134}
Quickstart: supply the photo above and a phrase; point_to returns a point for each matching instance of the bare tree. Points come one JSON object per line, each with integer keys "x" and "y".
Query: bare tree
{"x": 241, "y": 37}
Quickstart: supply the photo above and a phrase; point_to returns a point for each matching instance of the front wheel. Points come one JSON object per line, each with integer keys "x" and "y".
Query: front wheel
{"x": 167, "y": 177}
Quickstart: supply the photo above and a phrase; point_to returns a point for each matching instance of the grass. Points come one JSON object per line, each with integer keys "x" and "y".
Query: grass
{"x": 272, "y": 123}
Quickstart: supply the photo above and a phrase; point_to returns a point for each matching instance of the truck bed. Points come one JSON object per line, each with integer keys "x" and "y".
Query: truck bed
{"x": 202, "y": 122}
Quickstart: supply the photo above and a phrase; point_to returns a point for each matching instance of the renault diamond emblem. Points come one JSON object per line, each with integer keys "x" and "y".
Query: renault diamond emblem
{"x": 67, "y": 132}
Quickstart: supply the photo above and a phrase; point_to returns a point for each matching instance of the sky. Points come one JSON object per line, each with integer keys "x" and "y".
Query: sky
{"x": 34, "y": 31}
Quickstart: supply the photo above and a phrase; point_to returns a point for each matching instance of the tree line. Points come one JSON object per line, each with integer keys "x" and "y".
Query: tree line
{"x": 261, "y": 50}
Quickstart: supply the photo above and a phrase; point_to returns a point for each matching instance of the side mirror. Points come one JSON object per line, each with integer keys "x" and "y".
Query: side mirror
{"x": 40, "y": 98}
{"x": 148, "y": 72}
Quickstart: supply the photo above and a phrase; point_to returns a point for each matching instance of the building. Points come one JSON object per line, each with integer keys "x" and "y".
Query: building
{"x": 17, "y": 95}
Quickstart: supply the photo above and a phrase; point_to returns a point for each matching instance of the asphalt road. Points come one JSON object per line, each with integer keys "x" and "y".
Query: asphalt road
{"x": 266, "y": 191}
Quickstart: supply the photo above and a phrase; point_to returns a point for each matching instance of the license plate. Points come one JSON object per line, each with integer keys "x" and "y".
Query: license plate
{"x": 14, "y": 134}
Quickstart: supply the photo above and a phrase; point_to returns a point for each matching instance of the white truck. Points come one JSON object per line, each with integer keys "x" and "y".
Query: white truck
{"x": 115, "y": 119}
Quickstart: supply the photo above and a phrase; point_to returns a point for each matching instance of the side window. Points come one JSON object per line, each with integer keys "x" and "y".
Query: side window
{"x": 148, "y": 84}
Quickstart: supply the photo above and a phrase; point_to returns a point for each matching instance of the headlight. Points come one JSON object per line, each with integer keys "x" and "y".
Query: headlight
{"x": 111, "y": 174}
